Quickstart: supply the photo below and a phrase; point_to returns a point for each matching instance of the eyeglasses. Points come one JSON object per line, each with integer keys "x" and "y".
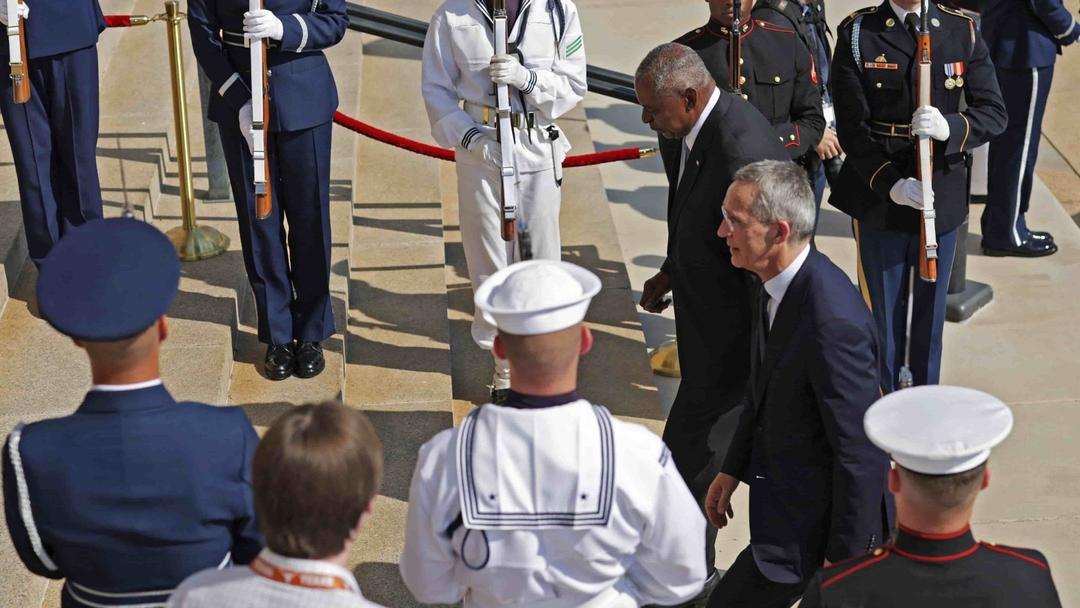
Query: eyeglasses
{"x": 733, "y": 223}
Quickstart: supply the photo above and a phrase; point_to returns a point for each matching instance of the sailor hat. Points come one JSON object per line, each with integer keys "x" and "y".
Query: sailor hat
{"x": 108, "y": 280}
{"x": 938, "y": 430}
{"x": 537, "y": 297}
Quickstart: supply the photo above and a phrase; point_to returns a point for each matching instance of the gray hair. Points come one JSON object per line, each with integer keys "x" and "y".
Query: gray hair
{"x": 783, "y": 194}
{"x": 673, "y": 68}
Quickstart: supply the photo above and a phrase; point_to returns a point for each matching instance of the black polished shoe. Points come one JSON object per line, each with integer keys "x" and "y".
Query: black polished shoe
{"x": 1040, "y": 236}
{"x": 309, "y": 360}
{"x": 499, "y": 396}
{"x": 1031, "y": 248}
{"x": 280, "y": 361}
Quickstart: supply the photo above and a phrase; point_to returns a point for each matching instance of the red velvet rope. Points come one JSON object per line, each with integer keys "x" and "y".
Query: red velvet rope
{"x": 386, "y": 137}
{"x": 117, "y": 20}
{"x": 418, "y": 147}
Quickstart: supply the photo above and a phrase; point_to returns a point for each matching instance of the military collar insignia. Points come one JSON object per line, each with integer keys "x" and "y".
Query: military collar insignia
{"x": 934, "y": 21}
{"x": 890, "y": 22}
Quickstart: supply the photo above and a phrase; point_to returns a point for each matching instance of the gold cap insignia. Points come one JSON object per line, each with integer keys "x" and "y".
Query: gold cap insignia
{"x": 890, "y": 22}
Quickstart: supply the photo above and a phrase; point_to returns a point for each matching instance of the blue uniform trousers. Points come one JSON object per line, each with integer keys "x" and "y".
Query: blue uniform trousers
{"x": 54, "y": 141}
{"x": 289, "y": 269}
{"x": 886, "y": 258}
{"x": 1012, "y": 156}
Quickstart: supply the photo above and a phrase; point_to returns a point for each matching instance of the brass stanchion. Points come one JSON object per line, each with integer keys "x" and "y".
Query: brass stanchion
{"x": 665, "y": 360}
{"x": 192, "y": 242}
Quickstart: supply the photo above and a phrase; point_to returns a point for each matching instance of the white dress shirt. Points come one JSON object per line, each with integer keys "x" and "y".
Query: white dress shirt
{"x": 777, "y": 286}
{"x": 901, "y": 12}
{"x": 688, "y": 141}
{"x": 119, "y": 388}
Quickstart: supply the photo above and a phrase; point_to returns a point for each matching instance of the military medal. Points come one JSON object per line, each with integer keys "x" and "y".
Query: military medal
{"x": 954, "y": 75}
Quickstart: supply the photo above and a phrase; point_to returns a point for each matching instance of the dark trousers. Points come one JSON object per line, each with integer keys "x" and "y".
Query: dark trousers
{"x": 744, "y": 586}
{"x": 886, "y": 258}
{"x": 1011, "y": 168}
{"x": 54, "y": 141}
{"x": 289, "y": 270}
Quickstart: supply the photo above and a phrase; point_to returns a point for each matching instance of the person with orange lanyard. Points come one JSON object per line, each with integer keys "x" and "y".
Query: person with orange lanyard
{"x": 315, "y": 473}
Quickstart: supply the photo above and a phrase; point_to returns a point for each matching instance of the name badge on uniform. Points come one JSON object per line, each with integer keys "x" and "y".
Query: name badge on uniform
{"x": 954, "y": 75}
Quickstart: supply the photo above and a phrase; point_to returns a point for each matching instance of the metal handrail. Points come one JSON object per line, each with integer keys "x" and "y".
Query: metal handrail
{"x": 412, "y": 32}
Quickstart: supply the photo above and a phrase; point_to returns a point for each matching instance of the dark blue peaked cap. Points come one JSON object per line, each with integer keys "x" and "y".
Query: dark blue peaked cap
{"x": 108, "y": 280}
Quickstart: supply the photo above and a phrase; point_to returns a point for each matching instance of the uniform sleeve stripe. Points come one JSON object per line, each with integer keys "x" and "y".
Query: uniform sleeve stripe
{"x": 470, "y": 135}
{"x": 303, "y": 33}
{"x": 854, "y": 569}
{"x": 967, "y": 131}
{"x": 1018, "y": 555}
{"x": 872, "y": 177}
{"x": 228, "y": 83}
{"x": 1069, "y": 31}
{"x": 23, "y": 491}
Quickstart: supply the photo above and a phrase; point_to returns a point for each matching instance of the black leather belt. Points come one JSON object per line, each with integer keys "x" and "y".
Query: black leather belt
{"x": 889, "y": 129}
{"x": 238, "y": 39}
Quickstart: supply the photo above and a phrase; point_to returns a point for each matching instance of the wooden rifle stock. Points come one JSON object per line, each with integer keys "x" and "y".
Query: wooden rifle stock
{"x": 928, "y": 233}
{"x": 260, "y": 122}
{"x": 20, "y": 75}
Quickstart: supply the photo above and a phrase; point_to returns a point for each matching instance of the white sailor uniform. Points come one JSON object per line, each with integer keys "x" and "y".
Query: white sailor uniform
{"x": 272, "y": 580}
{"x": 457, "y": 88}
{"x": 550, "y": 502}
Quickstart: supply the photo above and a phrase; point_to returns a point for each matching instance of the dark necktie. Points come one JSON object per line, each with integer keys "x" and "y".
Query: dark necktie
{"x": 761, "y": 336}
{"x": 912, "y": 22}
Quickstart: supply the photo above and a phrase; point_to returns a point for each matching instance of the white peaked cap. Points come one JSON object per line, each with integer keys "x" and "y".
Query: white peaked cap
{"x": 938, "y": 430}
{"x": 537, "y": 297}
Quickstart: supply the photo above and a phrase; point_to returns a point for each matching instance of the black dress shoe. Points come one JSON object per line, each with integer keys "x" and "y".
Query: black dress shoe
{"x": 279, "y": 362}
{"x": 1031, "y": 248}
{"x": 1040, "y": 237}
{"x": 309, "y": 360}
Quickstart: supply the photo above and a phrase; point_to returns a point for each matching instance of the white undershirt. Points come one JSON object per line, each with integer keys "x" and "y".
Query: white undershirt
{"x": 691, "y": 137}
{"x": 777, "y": 286}
{"x": 117, "y": 388}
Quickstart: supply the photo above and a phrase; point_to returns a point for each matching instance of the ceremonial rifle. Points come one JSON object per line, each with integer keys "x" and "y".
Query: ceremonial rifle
{"x": 928, "y": 237}
{"x": 16, "y": 31}
{"x": 735, "y": 48}
{"x": 506, "y": 135}
{"x": 260, "y": 117}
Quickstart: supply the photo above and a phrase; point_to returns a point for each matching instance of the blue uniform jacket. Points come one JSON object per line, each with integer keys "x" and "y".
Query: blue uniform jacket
{"x": 59, "y": 26}
{"x": 302, "y": 89}
{"x": 133, "y": 492}
{"x": 1024, "y": 34}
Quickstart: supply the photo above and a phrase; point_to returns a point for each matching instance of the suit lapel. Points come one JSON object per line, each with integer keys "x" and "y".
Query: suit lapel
{"x": 897, "y": 35}
{"x": 784, "y": 324}
{"x": 694, "y": 160}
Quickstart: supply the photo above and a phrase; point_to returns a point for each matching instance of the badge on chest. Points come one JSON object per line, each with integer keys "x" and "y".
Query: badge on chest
{"x": 954, "y": 75}
{"x": 880, "y": 63}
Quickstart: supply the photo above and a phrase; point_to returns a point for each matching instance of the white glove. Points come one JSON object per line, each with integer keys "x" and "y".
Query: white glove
{"x": 928, "y": 120}
{"x": 23, "y": 11}
{"x": 908, "y": 192}
{"x": 262, "y": 24}
{"x": 487, "y": 149}
{"x": 505, "y": 69}
{"x": 245, "y": 126}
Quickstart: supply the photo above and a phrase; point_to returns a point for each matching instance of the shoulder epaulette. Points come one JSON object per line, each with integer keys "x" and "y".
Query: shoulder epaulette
{"x": 954, "y": 12}
{"x": 1019, "y": 553}
{"x": 863, "y": 11}
{"x": 691, "y": 35}
{"x": 773, "y": 27}
{"x": 852, "y": 565}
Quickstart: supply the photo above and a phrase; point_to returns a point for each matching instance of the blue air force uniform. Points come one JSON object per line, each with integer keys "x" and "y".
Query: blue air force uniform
{"x": 133, "y": 492}
{"x": 289, "y": 272}
{"x": 54, "y": 135}
{"x": 1024, "y": 38}
{"x": 874, "y": 75}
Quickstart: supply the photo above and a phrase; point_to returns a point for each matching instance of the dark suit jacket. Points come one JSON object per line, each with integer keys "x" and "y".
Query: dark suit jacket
{"x": 712, "y": 309}
{"x": 817, "y": 484}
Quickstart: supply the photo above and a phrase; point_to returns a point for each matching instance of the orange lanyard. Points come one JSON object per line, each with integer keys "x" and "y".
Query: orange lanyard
{"x": 307, "y": 580}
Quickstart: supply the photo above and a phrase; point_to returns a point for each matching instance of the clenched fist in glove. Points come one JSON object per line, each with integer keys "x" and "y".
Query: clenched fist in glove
{"x": 506, "y": 69}
{"x": 262, "y": 24}
{"x": 928, "y": 121}
{"x": 908, "y": 192}
{"x": 487, "y": 149}
{"x": 23, "y": 11}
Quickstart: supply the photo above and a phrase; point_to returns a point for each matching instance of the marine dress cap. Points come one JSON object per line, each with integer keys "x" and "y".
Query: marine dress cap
{"x": 537, "y": 297}
{"x": 938, "y": 430}
{"x": 108, "y": 280}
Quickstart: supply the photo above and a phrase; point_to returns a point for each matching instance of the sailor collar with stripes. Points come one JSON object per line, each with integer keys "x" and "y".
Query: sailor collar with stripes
{"x": 536, "y": 469}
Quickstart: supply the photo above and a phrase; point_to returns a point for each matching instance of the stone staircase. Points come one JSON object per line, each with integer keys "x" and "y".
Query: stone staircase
{"x": 402, "y": 301}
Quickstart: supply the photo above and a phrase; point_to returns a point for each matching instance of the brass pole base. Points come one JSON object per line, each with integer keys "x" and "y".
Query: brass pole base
{"x": 665, "y": 360}
{"x": 200, "y": 243}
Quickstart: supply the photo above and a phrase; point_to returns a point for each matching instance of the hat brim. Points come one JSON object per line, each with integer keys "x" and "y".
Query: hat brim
{"x": 539, "y": 321}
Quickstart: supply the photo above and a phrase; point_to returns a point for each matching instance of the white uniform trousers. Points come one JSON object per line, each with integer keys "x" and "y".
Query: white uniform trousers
{"x": 539, "y": 200}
